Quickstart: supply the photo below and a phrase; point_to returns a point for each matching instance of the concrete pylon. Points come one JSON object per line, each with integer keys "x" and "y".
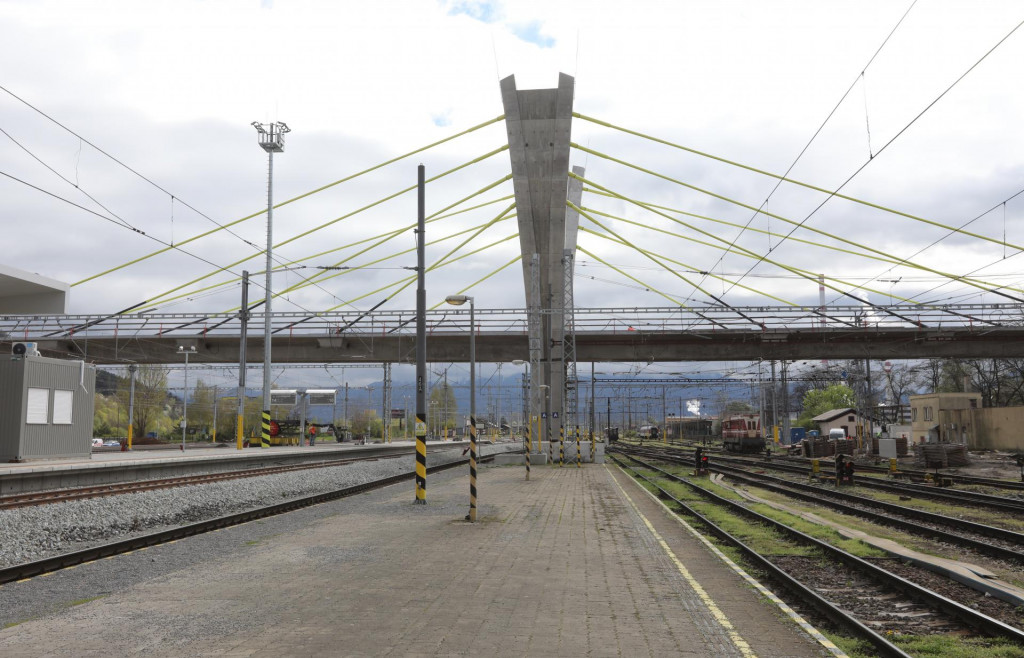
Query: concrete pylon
{"x": 538, "y": 123}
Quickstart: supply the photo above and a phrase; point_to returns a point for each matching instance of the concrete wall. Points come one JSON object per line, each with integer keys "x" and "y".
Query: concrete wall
{"x": 998, "y": 428}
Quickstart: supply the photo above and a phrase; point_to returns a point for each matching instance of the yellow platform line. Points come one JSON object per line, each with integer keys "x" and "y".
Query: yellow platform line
{"x": 767, "y": 593}
{"x": 709, "y": 603}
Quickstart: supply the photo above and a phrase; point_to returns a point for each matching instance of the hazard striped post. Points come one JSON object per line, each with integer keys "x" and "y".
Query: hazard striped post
{"x": 561, "y": 446}
{"x": 529, "y": 445}
{"x": 593, "y": 452}
{"x": 265, "y": 438}
{"x": 471, "y": 517}
{"x": 421, "y": 458}
{"x": 579, "y": 453}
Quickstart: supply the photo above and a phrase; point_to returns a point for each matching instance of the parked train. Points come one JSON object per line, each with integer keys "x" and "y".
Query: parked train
{"x": 650, "y": 432}
{"x": 742, "y": 433}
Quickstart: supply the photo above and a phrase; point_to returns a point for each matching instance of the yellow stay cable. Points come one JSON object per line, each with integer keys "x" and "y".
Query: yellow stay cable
{"x": 352, "y": 269}
{"x": 409, "y": 280}
{"x": 477, "y": 230}
{"x": 323, "y": 276}
{"x": 884, "y": 258}
{"x": 292, "y": 200}
{"x": 484, "y": 278}
{"x": 730, "y": 281}
{"x": 633, "y": 278}
{"x": 689, "y": 266}
{"x": 322, "y": 226}
{"x": 906, "y": 263}
{"x": 743, "y": 250}
{"x": 642, "y": 251}
{"x": 794, "y": 182}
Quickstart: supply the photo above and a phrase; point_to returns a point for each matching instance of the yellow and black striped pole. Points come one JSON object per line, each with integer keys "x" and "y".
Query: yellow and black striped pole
{"x": 593, "y": 453}
{"x": 529, "y": 446}
{"x": 551, "y": 444}
{"x": 265, "y": 439}
{"x": 421, "y": 458}
{"x": 561, "y": 446}
{"x": 471, "y": 517}
{"x": 579, "y": 453}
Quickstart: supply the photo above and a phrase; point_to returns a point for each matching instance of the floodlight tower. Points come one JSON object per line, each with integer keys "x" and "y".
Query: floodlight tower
{"x": 271, "y": 137}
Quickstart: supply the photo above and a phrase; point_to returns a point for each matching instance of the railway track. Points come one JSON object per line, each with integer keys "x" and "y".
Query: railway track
{"x": 854, "y": 593}
{"x": 957, "y": 496}
{"x": 74, "y": 558}
{"x": 985, "y": 539}
{"x": 11, "y": 501}
{"x": 912, "y": 475}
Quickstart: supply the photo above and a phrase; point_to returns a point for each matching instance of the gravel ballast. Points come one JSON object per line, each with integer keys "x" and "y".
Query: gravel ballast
{"x": 33, "y": 533}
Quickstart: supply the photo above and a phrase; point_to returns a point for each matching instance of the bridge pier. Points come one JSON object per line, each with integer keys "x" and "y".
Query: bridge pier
{"x": 538, "y": 123}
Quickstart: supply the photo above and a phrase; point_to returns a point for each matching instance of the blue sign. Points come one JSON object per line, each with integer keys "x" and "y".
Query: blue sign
{"x": 543, "y": 414}
{"x": 843, "y": 375}
{"x": 554, "y": 414}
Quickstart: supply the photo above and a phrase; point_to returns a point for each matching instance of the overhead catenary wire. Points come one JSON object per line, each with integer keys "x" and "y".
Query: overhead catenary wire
{"x": 337, "y": 264}
{"x": 900, "y": 133}
{"x": 758, "y": 257}
{"x": 475, "y": 232}
{"x": 288, "y": 201}
{"x": 324, "y": 225}
{"x": 795, "y": 224}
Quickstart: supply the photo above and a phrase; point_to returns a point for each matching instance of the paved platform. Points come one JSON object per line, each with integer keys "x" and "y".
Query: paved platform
{"x": 575, "y": 562}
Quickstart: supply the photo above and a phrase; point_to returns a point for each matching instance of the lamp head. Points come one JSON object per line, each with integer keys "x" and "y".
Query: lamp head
{"x": 458, "y": 300}
{"x": 519, "y": 362}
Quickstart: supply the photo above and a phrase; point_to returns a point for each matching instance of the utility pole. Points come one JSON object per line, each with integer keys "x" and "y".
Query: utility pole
{"x": 775, "y": 402}
{"x": 132, "y": 369}
{"x": 243, "y": 317}
{"x": 421, "y": 338}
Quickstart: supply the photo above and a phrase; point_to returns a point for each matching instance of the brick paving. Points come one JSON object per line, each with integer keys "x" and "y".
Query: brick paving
{"x": 562, "y": 565}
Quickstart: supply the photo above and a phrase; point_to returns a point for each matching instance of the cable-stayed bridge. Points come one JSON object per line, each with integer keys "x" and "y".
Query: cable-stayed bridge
{"x": 696, "y": 270}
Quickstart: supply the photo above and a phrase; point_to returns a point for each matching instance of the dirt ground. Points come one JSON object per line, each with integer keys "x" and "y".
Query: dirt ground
{"x": 989, "y": 464}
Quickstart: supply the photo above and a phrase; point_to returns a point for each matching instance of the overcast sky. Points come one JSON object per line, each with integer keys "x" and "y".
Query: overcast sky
{"x": 170, "y": 89}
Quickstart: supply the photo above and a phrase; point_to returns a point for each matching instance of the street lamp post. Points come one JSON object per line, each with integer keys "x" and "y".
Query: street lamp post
{"x": 271, "y": 138}
{"x": 459, "y": 300}
{"x": 184, "y": 398}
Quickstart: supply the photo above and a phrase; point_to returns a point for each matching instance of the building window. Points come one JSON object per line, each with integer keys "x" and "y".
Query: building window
{"x": 849, "y": 419}
{"x": 38, "y": 406}
{"x": 913, "y": 414}
{"x": 63, "y": 401}
{"x": 974, "y": 403}
{"x": 927, "y": 413}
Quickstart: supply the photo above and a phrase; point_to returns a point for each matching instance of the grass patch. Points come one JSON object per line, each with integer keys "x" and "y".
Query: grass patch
{"x": 854, "y": 546}
{"x": 951, "y": 646}
{"x": 853, "y": 647}
{"x": 996, "y": 519}
{"x": 83, "y": 601}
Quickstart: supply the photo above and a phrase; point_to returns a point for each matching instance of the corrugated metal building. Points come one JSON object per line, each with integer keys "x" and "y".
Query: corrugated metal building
{"x": 46, "y": 408}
